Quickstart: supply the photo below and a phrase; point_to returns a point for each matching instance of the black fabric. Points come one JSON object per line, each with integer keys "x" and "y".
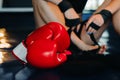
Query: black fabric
{"x": 72, "y": 22}
{"x": 78, "y": 32}
{"x": 93, "y": 25}
{"x": 106, "y": 15}
{"x": 69, "y": 31}
{"x": 64, "y": 5}
{"x": 76, "y": 52}
{"x": 74, "y": 49}
{"x": 78, "y": 5}
{"x": 93, "y": 39}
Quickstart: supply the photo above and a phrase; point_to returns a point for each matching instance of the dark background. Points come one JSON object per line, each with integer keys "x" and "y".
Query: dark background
{"x": 17, "y": 3}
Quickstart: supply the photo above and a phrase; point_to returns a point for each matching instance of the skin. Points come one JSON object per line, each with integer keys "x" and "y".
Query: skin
{"x": 114, "y": 7}
{"x": 46, "y": 11}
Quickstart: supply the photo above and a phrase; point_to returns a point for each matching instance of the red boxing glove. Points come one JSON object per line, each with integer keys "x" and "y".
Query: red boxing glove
{"x": 52, "y": 31}
{"x": 60, "y": 36}
{"x": 50, "y": 52}
{"x": 43, "y": 54}
{"x": 20, "y": 51}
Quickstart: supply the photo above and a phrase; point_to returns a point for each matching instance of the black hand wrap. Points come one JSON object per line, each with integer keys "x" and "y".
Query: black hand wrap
{"x": 64, "y": 5}
{"x": 106, "y": 15}
{"x": 93, "y": 25}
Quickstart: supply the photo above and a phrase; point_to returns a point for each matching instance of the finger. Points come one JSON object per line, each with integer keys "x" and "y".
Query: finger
{"x": 89, "y": 30}
{"x": 102, "y": 49}
{"x": 92, "y": 30}
{"x": 87, "y": 24}
{"x": 94, "y": 26}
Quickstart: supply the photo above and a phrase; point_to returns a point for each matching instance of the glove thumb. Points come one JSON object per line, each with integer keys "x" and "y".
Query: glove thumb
{"x": 62, "y": 57}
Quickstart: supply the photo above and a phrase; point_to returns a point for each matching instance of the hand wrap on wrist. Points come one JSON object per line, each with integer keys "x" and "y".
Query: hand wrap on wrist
{"x": 64, "y": 5}
{"x": 106, "y": 15}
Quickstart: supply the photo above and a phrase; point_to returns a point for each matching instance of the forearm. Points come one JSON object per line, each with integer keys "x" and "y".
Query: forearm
{"x": 113, "y": 6}
{"x": 102, "y": 6}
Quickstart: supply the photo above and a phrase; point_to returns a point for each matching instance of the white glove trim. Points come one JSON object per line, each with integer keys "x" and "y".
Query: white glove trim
{"x": 20, "y": 52}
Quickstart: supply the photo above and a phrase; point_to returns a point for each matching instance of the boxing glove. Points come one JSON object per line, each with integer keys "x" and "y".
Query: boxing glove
{"x": 20, "y": 51}
{"x": 43, "y": 53}
{"x": 53, "y": 31}
{"x": 60, "y": 36}
{"x": 48, "y": 53}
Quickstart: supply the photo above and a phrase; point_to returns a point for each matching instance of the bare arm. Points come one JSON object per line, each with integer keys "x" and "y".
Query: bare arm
{"x": 113, "y": 6}
{"x": 103, "y": 5}
{"x": 110, "y": 5}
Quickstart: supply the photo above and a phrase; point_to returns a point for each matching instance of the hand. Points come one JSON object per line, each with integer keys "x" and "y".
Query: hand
{"x": 97, "y": 20}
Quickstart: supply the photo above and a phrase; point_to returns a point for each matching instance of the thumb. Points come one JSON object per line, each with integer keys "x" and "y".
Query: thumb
{"x": 62, "y": 57}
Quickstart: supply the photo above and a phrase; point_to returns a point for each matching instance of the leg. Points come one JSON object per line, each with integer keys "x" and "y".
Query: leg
{"x": 116, "y": 23}
{"x": 48, "y": 10}
{"x": 37, "y": 15}
{"x": 70, "y": 14}
{"x": 43, "y": 13}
